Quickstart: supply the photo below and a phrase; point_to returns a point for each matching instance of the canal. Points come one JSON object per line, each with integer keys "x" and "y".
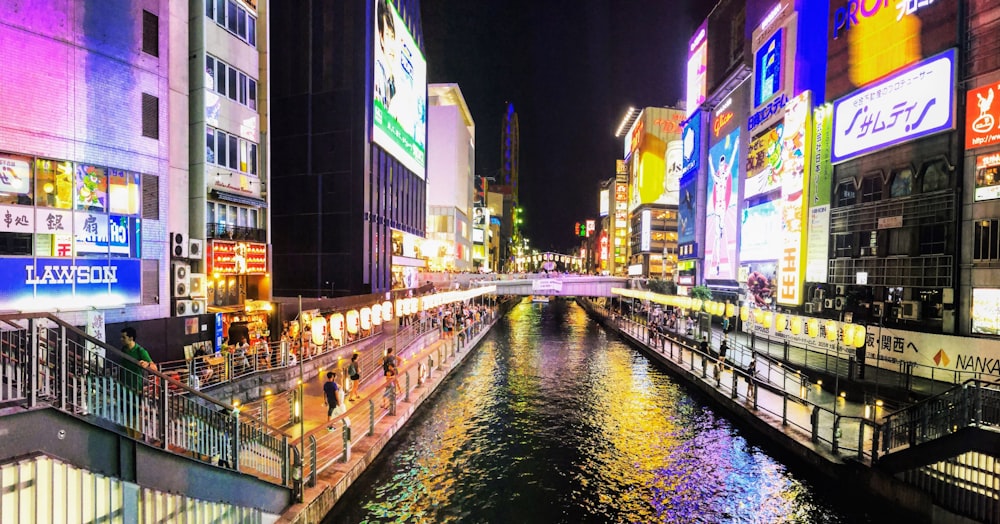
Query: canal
{"x": 553, "y": 419}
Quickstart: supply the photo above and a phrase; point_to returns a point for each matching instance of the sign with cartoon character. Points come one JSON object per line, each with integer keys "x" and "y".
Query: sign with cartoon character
{"x": 981, "y": 114}
{"x": 720, "y": 214}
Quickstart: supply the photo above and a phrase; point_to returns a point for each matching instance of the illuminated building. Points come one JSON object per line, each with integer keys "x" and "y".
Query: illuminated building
{"x": 348, "y": 143}
{"x": 451, "y": 163}
{"x": 94, "y": 177}
{"x": 509, "y": 173}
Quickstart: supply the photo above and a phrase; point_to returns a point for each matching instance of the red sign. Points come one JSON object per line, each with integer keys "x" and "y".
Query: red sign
{"x": 237, "y": 258}
{"x": 720, "y": 122}
{"x": 982, "y": 117}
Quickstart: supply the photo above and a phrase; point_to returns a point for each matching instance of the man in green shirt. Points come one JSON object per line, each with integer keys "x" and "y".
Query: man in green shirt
{"x": 133, "y": 375}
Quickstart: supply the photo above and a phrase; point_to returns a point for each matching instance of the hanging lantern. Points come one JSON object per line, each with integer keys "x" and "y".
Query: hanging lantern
{"x": 758, "y": 316}
{"x": 696, "y": 304}
{"x": 768, "y": 319}
{"x": 318, "y": 330}
{"x": 400, "y": 307}
{"x": 848, "y": 335}
{"x": 366, "y": 318}
{"x": 779, "y": 322}
{"x": 337, "y": 326}
{"x": 831, "y": 330}
{"x": 744, "y": 313}
{"x": 386, "y": 311}
{"x": 730, "y": 309}
{"x": 813, "y": 327}
{"x": 377, "y": 315}
{"x": 795, "y": 324}
{"x": 352, "y": 321}
{"x": 413, "y": 305}
{"x": 860, "y": 336}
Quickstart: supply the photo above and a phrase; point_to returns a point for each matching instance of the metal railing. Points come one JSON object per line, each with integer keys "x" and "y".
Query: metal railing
{"x": 47, "y": 362}
{"x": 230, "y": 232}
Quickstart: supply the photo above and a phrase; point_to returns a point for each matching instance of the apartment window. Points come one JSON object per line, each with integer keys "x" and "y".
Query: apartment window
{"x": 210, "y": 8}
{"x": 231, "y": 82}
{"x": 242, "y": 87}
{"x": 210, "y": 146}
{"x": 902, "y": 183}
{"x": 846, "y": 194}
{"x": 843, "y": 246}
{"x": 252, "y": 94}
{"x": 234, "y": 17}
{"x": 221, "y": 146}
{"x": 986, "y": 244}
{"x": 233, "y": 152}
{"x": 933, "y": 239}
{"x": 210, "y": 71}
{"x": 231, "y": 16}
{"x": 150, "y": 34}
{"x": 871, "y": 189}
{"x": 150, "y": 116}
{"x": 230, "y": 151}
{"x": 935, "y": 176}
{"x": 869, "y": 243}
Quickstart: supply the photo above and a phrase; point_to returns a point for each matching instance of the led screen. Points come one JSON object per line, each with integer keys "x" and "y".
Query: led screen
{"x": 767, "y": 70}
{"x": 399, "y": 118}
{"x": 691, "y": 142}
{"x": 604, "y": 202}
{"x": 720, "y": 212}
{"x": 657, "y": 158}
{"x": 687, "y": 209}
{"x": 759, "y": 225}
{"x": 794, "y": 196}
{"x": 764, "y": 161}
{"x": 697, "y": 68}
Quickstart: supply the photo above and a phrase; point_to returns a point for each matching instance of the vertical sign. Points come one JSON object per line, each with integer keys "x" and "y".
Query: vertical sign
{"x": 794, "y": 195}
{"x": 820, "y": 180}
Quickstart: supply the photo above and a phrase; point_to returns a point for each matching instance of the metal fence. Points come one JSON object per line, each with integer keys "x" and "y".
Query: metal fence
{"x": 49, "y": 362}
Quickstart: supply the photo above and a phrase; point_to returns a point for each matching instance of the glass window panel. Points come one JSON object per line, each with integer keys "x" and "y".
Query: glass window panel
{"x": 15, "y": 244}
{"x": 211, "y": 213}
{"x": 210, "y": 8}
{"x": 243, "y": 156}
{"x": 231, "y": 81}
{"x": 233, "y": 152}
{"x": 252, "y": 96}
{"x": 222, "y": 148}
{"x": 241, "y": 23}
{"x": 220, "y": 11}
{"x": 902, "y": 183}
{"x": 935, "y": 177}
{"x": 91, "y": 187}
{"x": 243, "y": 89}
{"x": 209, "y": 146}
{"x": 253, "y": 159}
{"x": 243, "y": 217}
{"x": 253, "y": 219}
{"x": 209, "y": 73}
{"x": 252, "y": 31}
{"x": 54, "y": 186}
{"x": 16, "y": 180}
{"x": 231, "y": 16}
{"x": 220, "y": 78}
{"x": 124, "y": 192}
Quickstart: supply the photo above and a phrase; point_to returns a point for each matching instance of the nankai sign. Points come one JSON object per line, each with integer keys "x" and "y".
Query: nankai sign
{"x": 982, "y": 111}
{"x": 915, "y": 102}
{"x": 45, "y": 283}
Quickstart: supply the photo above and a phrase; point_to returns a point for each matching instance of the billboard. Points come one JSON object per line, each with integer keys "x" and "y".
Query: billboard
{"x": 687, "y": 209}
{"x": 720, "y": 214}
{"x": 481, "y": 217}
{"x": 981, "y": 114}
{"x": 794, "y": 198}
{"x": 987, "y": 177}
{"x": 657, "y": 157}
{"x": 691, "y": 143}
{"x": 986, "y": 311}
{"x": 399, "y": 98}
{"x": 697, "y": 68}
{"x": 764, "y": 161}
{"x": 867, "y": 42}
{"x": 773, "y": 53}
{"x": 914, "y": 102}
{"x": 759, "y": 224}
{"x": 47, "y": 283}
{"x": 820, "y": 186}
{"x": 768, "y": 69}
{"x": 604, "y": 202}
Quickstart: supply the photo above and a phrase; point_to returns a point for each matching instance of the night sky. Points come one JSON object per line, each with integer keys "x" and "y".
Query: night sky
{"x": 571, "y": 69}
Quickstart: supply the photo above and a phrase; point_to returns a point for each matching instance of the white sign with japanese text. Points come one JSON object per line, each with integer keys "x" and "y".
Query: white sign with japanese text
{"x": 53, "y": 221}
{"x": 914, "y": 102}
{"x": 17, "y": 219}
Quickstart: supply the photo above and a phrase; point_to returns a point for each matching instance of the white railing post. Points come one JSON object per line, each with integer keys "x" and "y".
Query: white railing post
{"x": 33, "y": 363}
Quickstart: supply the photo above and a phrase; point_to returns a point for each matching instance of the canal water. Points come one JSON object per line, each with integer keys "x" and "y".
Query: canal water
{"x": 553, "y": 419}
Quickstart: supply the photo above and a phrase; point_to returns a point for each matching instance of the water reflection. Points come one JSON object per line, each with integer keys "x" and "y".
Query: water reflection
{"x": 552, "y": 420}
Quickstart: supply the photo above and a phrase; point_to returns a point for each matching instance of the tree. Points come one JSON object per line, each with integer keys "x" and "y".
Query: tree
{"x": 700, "y": 292}
{"x": 663, "y": 287}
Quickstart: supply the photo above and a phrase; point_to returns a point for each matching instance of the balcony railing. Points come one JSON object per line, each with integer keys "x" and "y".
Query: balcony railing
{"x": 230, "y": 232}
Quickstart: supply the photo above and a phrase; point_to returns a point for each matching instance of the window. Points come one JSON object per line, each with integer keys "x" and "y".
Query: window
{"x": 935, "y": 176}
{"x": 231, "y": 82}
{"x": 150, "y": 116}
{"x": 243, "y": 155}
{"x": 150, "y": 197}
{"x": 16, "y": 189}
{"x": 252, "y": 31}
{"x": 241, "y": 23}
{"x": 235, "y": 18}
{"x": 253, "y": 159}
{"x": 252, "y": 93}
{"x": 933, "y": 239}
{"x": 232, "y": 79}
{"x": 15, "y": 244}
{"x": 210, "y": 8}
{"x": 210, "y": 73}
{"x": 899, "y": 241}
{"x": 233, "y": 152}
{"x": 231, "y": 16}
{"x": 869, "y": 243}
{"x": 220, "y": 77}
{"x": 871, "y": 189}
{"x": 221, "y": 148}
{"x": 902, "y": 183}
{"x": 151, "y": 281}
{"x": 150, "y": 34}
{"x": 843, "y": 246}
{"x": 986, "y": 243}
{"x": 846, "y": 194}
{"x": 253, "y": 219}
{"x": 54, "y": 183}
{"x": 210, "y": 146}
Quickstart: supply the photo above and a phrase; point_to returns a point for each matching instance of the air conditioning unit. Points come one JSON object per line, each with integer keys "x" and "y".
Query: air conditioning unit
{"x": 182, "y": 308}
{"x": 199, "y": 306}
{"x": 838, "y": 303}
{"x": 840, "y": 291}
{"x": 878, "y": 309}
{"x": 819, "y": 294}
{"x": 909, "y": 310}
{"x": 828, "y": 303}
{"x": 178, "y": 245}
{"x": 810, "y": 307}
{"x": 199, "y": 285}
{"x": 196, "y": 249}
{"x": 181, "y": 280}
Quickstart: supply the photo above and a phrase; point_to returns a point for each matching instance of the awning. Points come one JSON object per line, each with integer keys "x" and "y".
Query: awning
{"x": 238, "y": 199}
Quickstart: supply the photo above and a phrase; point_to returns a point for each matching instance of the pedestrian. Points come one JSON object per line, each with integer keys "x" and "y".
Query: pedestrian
{"x": 354, "y": 373}
{"x": 703, "y": 345}
{"x": 133, "y": 379}
{"x": 390, "y": 368}
{"x": 723, "y": 347}
{"x": 330, "y": 391}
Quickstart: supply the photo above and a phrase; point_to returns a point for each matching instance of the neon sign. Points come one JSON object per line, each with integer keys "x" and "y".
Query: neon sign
{"x": 720, "y": 122}
{"x": 848, "y": 16}
{"x": 767, "y": 112}
{"x": 53, "y": 282}
{"x": 691, "y": 143}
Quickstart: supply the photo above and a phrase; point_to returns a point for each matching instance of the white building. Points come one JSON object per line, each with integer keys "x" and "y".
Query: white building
{"x": 451, "y": 162}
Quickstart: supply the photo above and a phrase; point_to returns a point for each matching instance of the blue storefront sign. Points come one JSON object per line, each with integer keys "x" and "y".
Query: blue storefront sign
{"x": 691, "y": 137}
{"x": 67, "y": 284}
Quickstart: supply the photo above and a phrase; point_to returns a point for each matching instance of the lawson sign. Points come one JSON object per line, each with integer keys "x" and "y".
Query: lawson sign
{"x": 68, "y": 284}
{"x": 915, "y": 102}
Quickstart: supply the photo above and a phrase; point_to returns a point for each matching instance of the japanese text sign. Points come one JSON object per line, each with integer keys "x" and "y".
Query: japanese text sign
{"x": 915, "y": 102}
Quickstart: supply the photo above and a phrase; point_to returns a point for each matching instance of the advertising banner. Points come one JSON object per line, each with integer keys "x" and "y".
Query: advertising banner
{"x": 15, "y": 174}
{"x": 720, "y": 213}
{"x": 818, "y": 234}
{"x": 237, "y": 258}
{"x": 794, "y": 199}
{"x": 687, "y": 210}
{"x": 764, "y": 161}
{"x": 399, "y": 117}
{"x": 656, "y": 159}
{"x": 645, "y": 230}
{"x": 914, "y": 102}
{"x": 987, "y": 177}
{"x": 91, "y": 187}
{"x": 691, "y": 141}
{"x": 986, "y": 311}
{"x": 768, "y": 69}
{"x": 17, "y": 219}
{"x": 45, "y": 283}
{"x": 604, "y": 202}
{"x": 774, "y": 48}
{"x": 981, "y": 113}
{"x": 759, "y": 225}
{"x": 697, "y": 68}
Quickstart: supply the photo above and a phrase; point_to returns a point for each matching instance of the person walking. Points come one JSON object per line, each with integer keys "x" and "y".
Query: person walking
{"x": 330, "y": 391}
{"x": 132, "y": 379}
{"x": 354, "y": 373}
